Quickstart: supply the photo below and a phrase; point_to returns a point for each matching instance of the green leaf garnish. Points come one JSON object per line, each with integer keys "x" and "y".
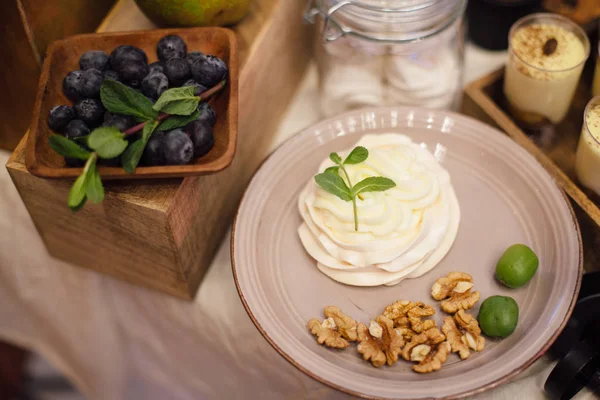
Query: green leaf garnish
{"x": 331, "y": 181}
{"x": 80, "y": 189}
{"x": 178, "y": 121}
{"x": 131, "y": 157}
{"x": 94, "y": 189}
{"x": 178, "y": 101}
{"x": 357, "y": 155}
{"x": 107, "y": 141}
{"x": 67, "y": 148}
{"x": 121, "y": 99}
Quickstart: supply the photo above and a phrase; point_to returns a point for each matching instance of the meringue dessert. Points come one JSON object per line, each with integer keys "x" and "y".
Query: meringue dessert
{"x": 402, "y": 232}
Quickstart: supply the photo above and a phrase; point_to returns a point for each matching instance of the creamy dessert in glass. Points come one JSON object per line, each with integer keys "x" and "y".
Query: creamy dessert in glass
{"x": 546, "y": 56}
{"x": 587, "y": 159}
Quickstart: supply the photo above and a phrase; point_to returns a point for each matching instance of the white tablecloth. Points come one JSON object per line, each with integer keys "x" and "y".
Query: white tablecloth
{"x": 117, "y": 341}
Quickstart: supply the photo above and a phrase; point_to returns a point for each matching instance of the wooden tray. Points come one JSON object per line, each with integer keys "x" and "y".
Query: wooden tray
{"x": 63, "y": 57}
{"x": 484, "y": 99}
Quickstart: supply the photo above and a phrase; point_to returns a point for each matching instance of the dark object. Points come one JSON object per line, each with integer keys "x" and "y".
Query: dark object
{"x": 199, "y": 88}
{"x": 178, "y": 148}
{"x": 132, "y": 72}
{"x": 578, "y": 346}
{"x": 192, "y": 56}
{"x": 208, "y": 70}
{"x": 76, "y": 128}
{"x": 59, "y": 117}
{"x": 207, "y": 114}
{"x": 72, "y": 85}
{"x": 119, "y": 121}
{"x": 171, "y": 46}
{"x": 490, "y": 20}
{"x": 94, "y": 59}
{"x": 177, "y": 70}
{"x": 153, "y": 153}
{"x": 126, "y": 53}
{"x": 202, "y": 137}
{"x": 110, "y": 74}
{"x": 91, "y": 82}
{"x": 155, "y": 84}
{"x": 90, "y": 111}
{"x": 157, "y": 66}
{"x": 110, "y": 162}
{"x": 550, "y": 46}
{"x": 74, "y": 162}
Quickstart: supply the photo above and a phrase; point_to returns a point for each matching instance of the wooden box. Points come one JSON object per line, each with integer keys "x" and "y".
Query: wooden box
{"x": 553, "y": 147}
{"x": 163, "y": 234}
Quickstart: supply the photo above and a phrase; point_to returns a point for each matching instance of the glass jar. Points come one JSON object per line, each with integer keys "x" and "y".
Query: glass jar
{"x": 388, "y": 52}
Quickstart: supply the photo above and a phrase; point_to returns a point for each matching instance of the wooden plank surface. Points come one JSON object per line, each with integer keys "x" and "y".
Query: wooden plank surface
{"x": 191, "y": 215}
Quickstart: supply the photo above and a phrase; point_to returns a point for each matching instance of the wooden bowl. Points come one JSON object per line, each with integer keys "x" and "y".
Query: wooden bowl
{"x": 63, "y": 57}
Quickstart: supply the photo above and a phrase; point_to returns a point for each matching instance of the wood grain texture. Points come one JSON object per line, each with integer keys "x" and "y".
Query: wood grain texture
{"x": 190, "y": 216}
{"x": 63, "y": 57}
{"x": 484, "y": 100}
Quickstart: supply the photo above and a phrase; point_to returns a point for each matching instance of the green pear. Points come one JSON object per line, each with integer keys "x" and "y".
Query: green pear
{"x": 194, "y": 12}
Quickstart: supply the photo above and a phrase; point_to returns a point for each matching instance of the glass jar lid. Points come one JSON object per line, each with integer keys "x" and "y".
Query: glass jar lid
{"x": 384, "y": 20}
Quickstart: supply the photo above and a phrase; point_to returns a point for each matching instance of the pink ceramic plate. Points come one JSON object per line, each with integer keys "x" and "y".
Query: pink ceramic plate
{"x": 505, "y": 197}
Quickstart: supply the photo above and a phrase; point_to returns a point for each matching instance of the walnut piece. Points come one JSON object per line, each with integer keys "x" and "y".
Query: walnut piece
{"x": 383, "y": 349}
{"x": 410, "y": 314}
{"x": 345, "y": 325}
{"x": 472, "y": 333}
{"x": 454, "y": 338}
{"x": 434, "y": 360}
{"x": 432, "y": 337}
{"x": 455, "y": 292}
{"x": 336, "y": 330}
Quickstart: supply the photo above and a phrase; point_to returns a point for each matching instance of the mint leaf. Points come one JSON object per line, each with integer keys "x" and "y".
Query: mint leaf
{"x": 332, "y": 170}
{"x": 356, "y": 156}
{"x": 334, "y": 184}
{"x": 121, "y": 99}
{"x": 178, "y": 101}
{"x": 94, "y": 189}
{"x": 77, "y": 194}
{"x": 67, "y": 148}
{"x": 335, "y": 157}
{"x": 177, "y": 121}
{"x": 373, "y": 184}
{"x": 107, "y": 141}
{"x": 131, "y": 157}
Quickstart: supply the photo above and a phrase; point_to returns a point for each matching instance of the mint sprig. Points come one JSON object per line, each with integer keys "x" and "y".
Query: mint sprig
{"x": 175, "y": 108}
{"x": 332, "y": 182}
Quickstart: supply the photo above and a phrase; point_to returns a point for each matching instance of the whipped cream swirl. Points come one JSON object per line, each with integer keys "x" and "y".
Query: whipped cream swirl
{"x": 402, "y": 233}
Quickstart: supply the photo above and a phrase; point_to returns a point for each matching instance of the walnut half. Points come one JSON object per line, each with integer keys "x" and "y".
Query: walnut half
{"x": 455, "y": 293}
{"x": 380, "y": 343}
{"x": 434, "y": 360}
{"x": 336, "y": 330}
{"x": 472, "y": 333}
{"x": 454, "y": 338}
{"x": 407, "y": 314}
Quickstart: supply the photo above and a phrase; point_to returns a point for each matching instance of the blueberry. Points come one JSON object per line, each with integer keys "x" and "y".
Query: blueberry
{"x": 170, "y": 46}
{"x": 91, "y": 81}
{"x": 157, "y": 66}
{"x": 199, "y": 88}
{"x": 76, "y": 128}
{"x": 94, "y": 59}
{"x": 192, "y": 56}
{"x": 207, "y": 114}
{"x": 90, "y": 111}
{"x": 72, "y": 85}
{"x": 125, "y": 53}
{"x": 208, "y": 70}
{"x": 110, "y": 74}
{"x": 119, "y": 121}
{"x": 155, "y": 84}
{"x": 177, "y": 70}
{"x": 59, "y": 117}
{"x": 202, "y": 137}
{"x": 132, "y": 72}
{"x": 153, "y": 153}
{"x": 178, "y": 148}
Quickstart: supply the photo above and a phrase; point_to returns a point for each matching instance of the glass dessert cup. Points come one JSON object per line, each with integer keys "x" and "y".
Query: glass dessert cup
{"x": 587, "y": 159}
{"x": 540, "y": 80}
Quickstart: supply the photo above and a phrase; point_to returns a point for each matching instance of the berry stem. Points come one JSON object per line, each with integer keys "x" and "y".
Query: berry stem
{"x": 203, "y": 96}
